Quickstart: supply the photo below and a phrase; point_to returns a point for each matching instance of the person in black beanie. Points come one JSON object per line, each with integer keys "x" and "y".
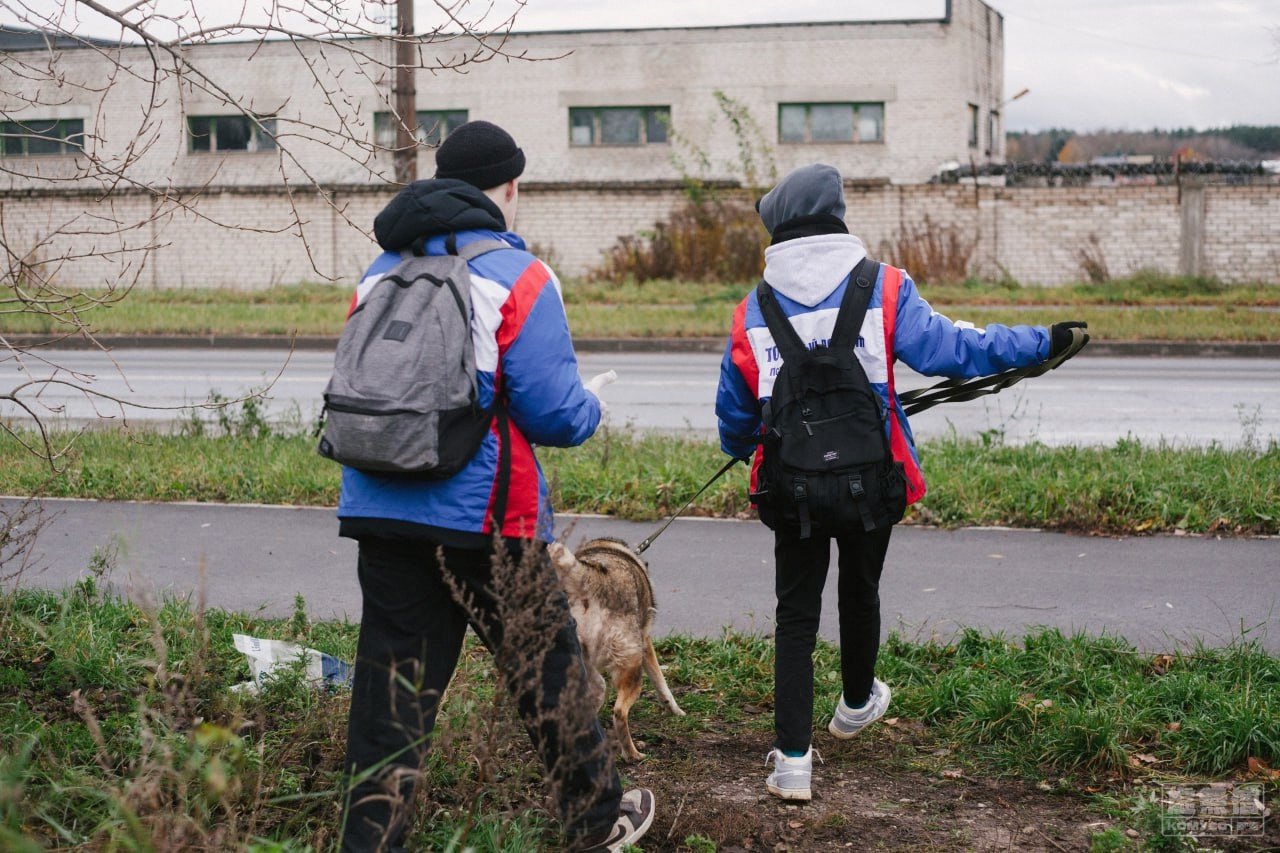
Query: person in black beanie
{"x": 411, "y": 532}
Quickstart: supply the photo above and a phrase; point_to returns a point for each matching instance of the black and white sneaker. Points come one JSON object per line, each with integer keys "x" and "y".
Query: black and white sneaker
{"x": 635, "y": 814}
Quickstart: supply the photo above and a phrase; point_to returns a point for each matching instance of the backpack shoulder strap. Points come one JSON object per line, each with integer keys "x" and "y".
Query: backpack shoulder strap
{"x": 476, "y": 248}
{"x": 853, "y": 308}
{"x": 784, "y": 334}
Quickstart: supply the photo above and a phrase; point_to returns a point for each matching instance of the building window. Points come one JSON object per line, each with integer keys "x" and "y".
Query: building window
{"x": 618, "y": 125}
{"x": 993, "y": 132}
{"x": 847, "y": 122}
{"x": 231, "y": 133}
{"x": 433, "y": 127}
{"x": 973, "y": 125}
{"x": 41, "y": 136}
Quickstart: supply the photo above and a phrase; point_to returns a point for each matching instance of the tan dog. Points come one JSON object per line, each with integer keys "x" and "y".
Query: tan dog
{"x": 612, "y": 601}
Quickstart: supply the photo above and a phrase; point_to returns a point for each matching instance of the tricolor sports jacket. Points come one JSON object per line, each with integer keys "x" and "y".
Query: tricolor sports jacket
{"x": 523, "y": 351}
{"x": 809, "y": 276}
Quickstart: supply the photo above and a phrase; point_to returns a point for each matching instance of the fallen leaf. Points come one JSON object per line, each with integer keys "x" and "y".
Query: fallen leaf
{"x": 952, "y": 774}
{"x": 996, "y": 556}
{"x": 1258, "y": 767}
{"x": 890, "y": 721}
{"x": 795, "y": 824}
{"x": 1174, "y": 727}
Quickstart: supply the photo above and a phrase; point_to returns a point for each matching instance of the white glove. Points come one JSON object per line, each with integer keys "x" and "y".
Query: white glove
{"x": 596, "y": 385}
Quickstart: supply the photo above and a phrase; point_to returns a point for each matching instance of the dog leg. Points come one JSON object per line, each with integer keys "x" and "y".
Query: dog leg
{"x": 659, "y": 680}
{"x": 628, "y": 683}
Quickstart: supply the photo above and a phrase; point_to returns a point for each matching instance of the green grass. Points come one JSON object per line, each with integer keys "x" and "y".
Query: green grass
{"x": 118, "y": 730}
{"x": 1147, "y": 306}
{"x": 1128, "y": 487}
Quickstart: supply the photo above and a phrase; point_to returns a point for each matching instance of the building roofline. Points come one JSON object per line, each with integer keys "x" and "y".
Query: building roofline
{"x": 64, "y": 40}
{"x": 14, "y": 39}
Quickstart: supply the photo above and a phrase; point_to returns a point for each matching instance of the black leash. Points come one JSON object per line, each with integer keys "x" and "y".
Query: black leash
{"x": 959, "y": 390}
{"x": 646, "y": 543}
{"x": 949, "y": 391}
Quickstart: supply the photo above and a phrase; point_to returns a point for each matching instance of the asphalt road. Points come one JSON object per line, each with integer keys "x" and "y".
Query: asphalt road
{"x": 1158, "y": 592}
{"x": 1089, "y": 400}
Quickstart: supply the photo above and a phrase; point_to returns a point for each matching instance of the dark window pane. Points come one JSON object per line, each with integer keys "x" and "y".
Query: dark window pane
{"x": 10, "y": 139}
{"x": 201, "y": 130}
{"x": 73, "y": 132}
{"x": 657, "y": 121}
{"x": 620, "y": 127}
{"x": 384, "y": 130}
{"x": 265, "y": 135}
{"x": 791, "y": 122}
{"x": 453, "y": 119}
{"x": 232, "y": 133}
{"x": 831, "y": 122}
{"x": 431, "y": 127}
{"x": 973, "y": 125}
{"x": 871, "y": 122}
{"x": 42, "y": 137}
{"x": 581, "y": 127}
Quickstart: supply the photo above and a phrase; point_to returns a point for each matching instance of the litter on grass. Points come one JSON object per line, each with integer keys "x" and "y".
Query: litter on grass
{"x": 267, "y": 658}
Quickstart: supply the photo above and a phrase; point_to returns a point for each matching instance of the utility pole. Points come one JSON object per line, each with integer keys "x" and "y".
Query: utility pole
{"x": 406, "y": 96}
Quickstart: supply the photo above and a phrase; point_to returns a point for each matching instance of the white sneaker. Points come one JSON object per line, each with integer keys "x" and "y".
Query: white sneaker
{"x": 791, "y": 777}
{"x": 847, "y": 722}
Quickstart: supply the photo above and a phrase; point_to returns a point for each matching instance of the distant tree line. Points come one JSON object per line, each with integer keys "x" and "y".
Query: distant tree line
{"x": 1059, "y": 145}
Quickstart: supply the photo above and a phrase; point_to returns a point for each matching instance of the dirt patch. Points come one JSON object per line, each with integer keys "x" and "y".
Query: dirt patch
{"x": 896, "y": 791}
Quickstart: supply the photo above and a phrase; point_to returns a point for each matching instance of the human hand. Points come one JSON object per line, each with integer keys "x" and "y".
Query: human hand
{"x": 1060, "y": 335}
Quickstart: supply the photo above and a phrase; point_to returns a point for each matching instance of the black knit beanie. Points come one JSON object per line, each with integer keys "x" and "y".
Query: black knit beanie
{"x": 480, "y": 153}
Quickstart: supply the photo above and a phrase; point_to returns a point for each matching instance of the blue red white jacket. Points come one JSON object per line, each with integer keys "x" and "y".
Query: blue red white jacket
{"x": 809, "y": 276}
{"x": 523, "y": 350}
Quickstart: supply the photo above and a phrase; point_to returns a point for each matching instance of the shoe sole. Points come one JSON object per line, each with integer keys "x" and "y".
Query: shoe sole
{"x": 790, "y": 793}
{"x": 842, "y": 735}
{"x": 638, "y": 832}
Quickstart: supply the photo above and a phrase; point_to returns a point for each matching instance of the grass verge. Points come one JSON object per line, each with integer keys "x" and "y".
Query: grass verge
{"x": 119, "y": 731}
{"x": 1128, "y": 487}
{"x": 1145, "y": 307}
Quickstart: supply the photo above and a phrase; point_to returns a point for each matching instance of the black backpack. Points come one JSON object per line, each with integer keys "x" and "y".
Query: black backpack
{"x": 827, "y": 463}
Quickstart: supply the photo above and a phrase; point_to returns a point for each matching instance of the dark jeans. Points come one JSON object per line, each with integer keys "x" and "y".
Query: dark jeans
{"x": 411, "y": 634}
{"x": 800, "y": 574}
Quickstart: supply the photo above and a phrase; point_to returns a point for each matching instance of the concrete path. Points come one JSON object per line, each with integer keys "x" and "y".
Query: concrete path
{"x": 1159, "y": 592}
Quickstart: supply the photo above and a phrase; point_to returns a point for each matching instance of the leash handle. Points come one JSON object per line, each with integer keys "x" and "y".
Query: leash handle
{"x": 640, "y": 549}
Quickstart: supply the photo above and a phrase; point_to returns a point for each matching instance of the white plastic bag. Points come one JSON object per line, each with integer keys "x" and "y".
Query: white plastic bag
{"x": 268, "y": 656}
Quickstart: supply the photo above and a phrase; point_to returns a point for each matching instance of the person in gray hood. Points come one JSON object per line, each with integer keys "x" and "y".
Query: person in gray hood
{"x": 809, "y": 266}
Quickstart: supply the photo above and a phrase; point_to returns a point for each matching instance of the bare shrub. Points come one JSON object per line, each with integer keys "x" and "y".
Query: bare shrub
{"x": 1093, "y": 263}
{"x": 530, "y": 611}
{"x": 931, "y": 252}
{"x": 712, "y": 240}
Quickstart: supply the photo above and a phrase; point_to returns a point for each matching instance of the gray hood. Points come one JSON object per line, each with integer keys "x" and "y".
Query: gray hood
{"x": 808, "y": 269}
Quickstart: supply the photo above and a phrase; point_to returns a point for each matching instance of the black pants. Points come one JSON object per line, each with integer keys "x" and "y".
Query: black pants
{"x": 800, "y": 574}
{"x": 411, "y": 634}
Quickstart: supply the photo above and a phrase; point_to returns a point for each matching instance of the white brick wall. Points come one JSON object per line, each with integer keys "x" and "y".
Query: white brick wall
{"x": 1032, "y": 234}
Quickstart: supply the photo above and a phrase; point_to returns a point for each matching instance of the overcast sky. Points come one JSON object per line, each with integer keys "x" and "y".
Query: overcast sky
{"x": 1090, "y": 64}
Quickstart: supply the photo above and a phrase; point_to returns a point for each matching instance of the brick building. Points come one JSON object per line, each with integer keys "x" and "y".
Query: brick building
{"x": 890, "y": 99}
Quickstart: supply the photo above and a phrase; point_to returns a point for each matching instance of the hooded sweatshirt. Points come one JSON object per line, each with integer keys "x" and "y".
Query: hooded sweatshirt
{"x": 523, "y": 353}
{"x": 809, "y": 275}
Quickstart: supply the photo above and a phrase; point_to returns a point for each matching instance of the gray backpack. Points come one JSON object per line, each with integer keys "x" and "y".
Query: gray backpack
{"x": 403, "y": 397}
